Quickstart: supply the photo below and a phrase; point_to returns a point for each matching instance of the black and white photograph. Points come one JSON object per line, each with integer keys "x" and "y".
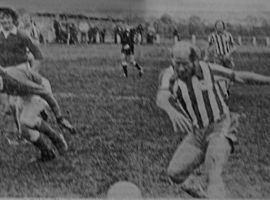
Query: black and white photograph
{"x": 135, "y": 99}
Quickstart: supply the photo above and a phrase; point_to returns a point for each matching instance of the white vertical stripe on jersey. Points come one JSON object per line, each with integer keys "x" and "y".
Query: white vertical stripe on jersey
{"x": 224, "y": 105}
{"x": 221, "y": 44}
{"x": 211, "y": 95}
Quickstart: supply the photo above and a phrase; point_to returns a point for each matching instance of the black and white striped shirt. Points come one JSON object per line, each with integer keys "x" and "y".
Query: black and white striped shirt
{"x": 200, "y": 97}
{"x": 223, "y": 42}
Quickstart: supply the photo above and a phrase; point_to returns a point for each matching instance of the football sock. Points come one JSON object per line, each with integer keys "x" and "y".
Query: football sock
{"x": 125, "y": 70}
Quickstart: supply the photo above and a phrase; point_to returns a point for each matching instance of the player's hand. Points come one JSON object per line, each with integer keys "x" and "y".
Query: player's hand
{"x": 126, "y": 47}
{"x": 178, "y": 120}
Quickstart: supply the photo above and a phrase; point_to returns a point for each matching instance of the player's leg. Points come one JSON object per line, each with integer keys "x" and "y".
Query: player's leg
{"x": 38, "y": 141}
{"x": 29, "y": 119}
{"x": 134, "y": 63}
{"x": 186, "y": 158}
{"x": 217, "y": 153}
{"x": 124, "y": 63}
{"x": 216, "y": 157}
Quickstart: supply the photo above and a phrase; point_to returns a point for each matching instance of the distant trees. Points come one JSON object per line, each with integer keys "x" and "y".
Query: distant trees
{"x": 251, "y": 26}
{"x": 166, "y": 25}
{"x": 166, "y": 19}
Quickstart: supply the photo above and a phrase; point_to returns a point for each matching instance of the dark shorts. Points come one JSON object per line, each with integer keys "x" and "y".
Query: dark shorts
{"x": 129, "y": 51}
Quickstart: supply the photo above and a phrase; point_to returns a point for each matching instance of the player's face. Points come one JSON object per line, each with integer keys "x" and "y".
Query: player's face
{"x": 219, "y": 27}
{"x": 183, "y": 67}
{"x": 6, "y": 22}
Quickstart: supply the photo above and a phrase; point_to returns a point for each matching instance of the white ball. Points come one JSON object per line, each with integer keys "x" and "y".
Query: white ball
{"x": 124, "y": 190}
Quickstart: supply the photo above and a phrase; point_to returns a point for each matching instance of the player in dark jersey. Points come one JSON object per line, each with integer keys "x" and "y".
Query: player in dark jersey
{"x": 127, "y": 51}
{"x": 17, "y": 78}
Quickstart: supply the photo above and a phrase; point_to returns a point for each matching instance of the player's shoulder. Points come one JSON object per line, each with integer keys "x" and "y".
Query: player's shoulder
{"x": 167, "y": 71}
{"x": 227, "y": 34}
{"x": 165, "y": 77}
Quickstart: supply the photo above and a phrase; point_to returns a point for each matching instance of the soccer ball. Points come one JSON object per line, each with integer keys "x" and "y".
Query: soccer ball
{"x": 124, "y": 190}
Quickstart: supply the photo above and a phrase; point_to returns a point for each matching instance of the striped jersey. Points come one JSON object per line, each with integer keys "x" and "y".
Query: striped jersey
{"x": 223, "y": 42}
{"x": 200, "y": 97}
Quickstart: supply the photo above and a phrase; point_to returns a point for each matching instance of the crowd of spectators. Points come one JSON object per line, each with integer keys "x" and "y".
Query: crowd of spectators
{"x": 68, "y": 33}
{"x": 62, "y": 30}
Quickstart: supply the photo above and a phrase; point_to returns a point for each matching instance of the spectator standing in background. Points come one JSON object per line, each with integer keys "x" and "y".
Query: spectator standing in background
{"x": 102, "y": 32}
{"x": 92, "y": 34}
{"x": 83, "y": 31}
{"x": 60, "y": 34}
{"x": 30, "y": 28}
{"x": 117, "y": 33}
{"x": 151, "y": 34}
{"x": 139, "y": 31}
{"x": 175, "y": 35}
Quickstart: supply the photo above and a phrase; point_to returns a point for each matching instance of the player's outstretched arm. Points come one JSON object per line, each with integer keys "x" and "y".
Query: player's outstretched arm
{"x": 250, "y": 77}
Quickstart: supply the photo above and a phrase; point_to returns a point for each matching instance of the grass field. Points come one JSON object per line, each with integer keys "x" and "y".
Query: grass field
{"x": 122, "y": 135}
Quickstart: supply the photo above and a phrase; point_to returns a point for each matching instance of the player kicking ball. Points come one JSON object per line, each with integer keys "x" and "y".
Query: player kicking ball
{"x": 127, "y": 51}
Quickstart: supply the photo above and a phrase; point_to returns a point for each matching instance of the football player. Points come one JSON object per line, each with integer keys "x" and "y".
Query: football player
{"x": 127, "y": 51}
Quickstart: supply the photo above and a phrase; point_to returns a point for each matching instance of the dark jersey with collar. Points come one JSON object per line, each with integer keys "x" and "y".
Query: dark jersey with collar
{"x": 127, "y": 38}
{"x": 14, "y": 49}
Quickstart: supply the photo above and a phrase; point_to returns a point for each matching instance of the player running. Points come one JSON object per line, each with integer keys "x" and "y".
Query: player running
{"x": 127, "y": 51}
{"x": 222, "y": 43}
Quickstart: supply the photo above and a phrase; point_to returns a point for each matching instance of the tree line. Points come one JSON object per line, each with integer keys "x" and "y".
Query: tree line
{"x": 166, "y": 26}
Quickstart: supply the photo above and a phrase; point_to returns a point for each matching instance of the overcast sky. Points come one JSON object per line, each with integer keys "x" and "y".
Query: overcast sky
{"x": 76, "y": 4}
{"x": 206, "y": 9}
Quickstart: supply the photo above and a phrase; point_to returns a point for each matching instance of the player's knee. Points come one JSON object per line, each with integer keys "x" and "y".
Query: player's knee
{"x": 133, "y": 62}
{"x": 222, "y": 144}
{"x": 30, "y": 135}
{"x": 33, "y": 135}
{"x": 176, "y": 174}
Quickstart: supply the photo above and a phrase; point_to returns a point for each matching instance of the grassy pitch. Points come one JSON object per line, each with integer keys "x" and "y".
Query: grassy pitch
{"x": 123, "y": 135}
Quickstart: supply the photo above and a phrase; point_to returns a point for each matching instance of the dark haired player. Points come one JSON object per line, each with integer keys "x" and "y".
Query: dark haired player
{"x": 127, "y": 51}
{"x": 17, "y": 78}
